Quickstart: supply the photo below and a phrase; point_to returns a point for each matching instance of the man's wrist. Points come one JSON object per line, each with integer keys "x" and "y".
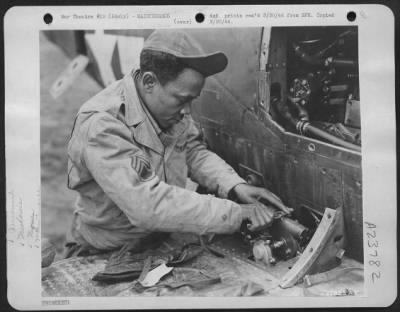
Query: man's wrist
{"x": 232, "y": 194}
{"x": 227, "y": 183}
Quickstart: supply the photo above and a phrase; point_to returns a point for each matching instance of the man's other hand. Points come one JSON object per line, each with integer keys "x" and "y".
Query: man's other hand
{"x": 249, "y": 194}
{"x": 259, "y": 215}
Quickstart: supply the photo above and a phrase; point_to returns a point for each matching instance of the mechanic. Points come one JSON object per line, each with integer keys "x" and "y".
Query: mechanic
{"x": 134, "y": 145}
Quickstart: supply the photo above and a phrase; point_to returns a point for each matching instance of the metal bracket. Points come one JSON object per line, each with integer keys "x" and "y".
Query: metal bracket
{"x": 69, "y": 76}
{"x": 253, "y": 177}
{"x": 263, "y": 79}
{"x": 321, "y": 252}
{"x": 263, "y": 89}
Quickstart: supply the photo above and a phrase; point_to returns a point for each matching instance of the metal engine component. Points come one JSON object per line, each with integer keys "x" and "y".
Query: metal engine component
{"x": 321, "y": 76}
{"x": 262, "y": 252}
{"x": 322, "y": 251}
{"x": 297, "y": 230}
{"x": 301, "y": 89}
{"x": 269, "y": 251}
{"x": 283, "y": 240}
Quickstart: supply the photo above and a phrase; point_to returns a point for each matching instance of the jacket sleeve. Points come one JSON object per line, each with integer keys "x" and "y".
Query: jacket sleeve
{"x": 207, "y": 168}
{"x": 112, "y": 157}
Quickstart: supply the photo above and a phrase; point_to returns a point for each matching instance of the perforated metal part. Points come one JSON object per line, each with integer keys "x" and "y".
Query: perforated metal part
{"x": 72, "y": 277}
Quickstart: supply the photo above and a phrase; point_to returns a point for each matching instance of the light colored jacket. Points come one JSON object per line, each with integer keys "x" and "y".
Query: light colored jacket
{"x": 131, "y": 180}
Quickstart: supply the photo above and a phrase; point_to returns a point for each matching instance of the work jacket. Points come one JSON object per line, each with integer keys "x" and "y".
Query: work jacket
{"x": 131, "y": 178}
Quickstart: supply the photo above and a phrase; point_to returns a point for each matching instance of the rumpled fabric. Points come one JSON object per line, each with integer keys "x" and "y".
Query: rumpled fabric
{"x": 127, "y": 264}
{"x": 196, "y": 282}
{"x": 180, "y": 279}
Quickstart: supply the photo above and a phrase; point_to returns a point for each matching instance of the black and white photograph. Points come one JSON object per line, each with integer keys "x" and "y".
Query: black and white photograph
{"x": 217, "y": 162}
{"x": 220, "y": 160}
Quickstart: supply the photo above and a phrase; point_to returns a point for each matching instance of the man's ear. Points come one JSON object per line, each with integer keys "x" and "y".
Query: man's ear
{"x": 149, "y": 80}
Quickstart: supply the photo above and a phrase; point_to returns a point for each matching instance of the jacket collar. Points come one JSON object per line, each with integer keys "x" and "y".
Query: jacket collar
{"x": 145, "y": 132}
{"x": 134, "y": 113}
{"x": 136, "y": 117}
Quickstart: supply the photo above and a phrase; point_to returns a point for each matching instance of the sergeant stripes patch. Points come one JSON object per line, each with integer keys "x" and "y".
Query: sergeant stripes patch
{"x": 143, "y": 168}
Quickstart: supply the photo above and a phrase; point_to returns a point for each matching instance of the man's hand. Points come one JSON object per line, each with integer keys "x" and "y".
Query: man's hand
{"x": 259, "y": 215}
{"x": 249, "y": 194}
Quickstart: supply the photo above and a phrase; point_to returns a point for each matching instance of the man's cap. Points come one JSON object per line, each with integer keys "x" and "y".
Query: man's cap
{"x": 187, "y": 49}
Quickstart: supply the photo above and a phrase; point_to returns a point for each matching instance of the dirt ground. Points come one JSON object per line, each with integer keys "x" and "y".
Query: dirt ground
{"x": 57, "y": 117}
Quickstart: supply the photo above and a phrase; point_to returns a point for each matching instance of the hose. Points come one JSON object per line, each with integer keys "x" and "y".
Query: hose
{"x": 304, "y": 127}
{"x": 308, "y": 128}
{"x": 315, "y": 60}
{"x": 331, "y": 45}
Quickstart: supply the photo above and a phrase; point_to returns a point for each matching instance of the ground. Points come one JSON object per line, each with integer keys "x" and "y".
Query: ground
{"x": 57, "y": 117}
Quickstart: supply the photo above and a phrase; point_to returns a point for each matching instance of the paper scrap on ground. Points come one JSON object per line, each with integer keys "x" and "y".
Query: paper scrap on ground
{"x": 155, "y": 275}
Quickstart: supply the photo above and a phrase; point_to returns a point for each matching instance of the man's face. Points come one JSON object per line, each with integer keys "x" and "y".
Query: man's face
{"x": 168, "y": 103}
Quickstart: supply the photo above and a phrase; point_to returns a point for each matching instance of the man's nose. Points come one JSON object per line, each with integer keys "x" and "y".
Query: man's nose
{"x": 187, "y": 109}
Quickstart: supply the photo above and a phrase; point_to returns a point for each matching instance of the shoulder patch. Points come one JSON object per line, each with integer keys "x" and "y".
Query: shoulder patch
{"x": 143, "y": 168}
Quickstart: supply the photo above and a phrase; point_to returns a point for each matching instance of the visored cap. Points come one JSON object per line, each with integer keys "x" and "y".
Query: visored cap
{"x": 187, "y": 49}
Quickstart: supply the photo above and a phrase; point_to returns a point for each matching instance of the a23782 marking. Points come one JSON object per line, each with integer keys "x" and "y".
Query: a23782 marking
{"x": 374, "y": 261}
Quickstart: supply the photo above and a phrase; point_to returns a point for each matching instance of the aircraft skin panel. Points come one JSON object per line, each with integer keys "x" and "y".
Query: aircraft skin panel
{"x": 301, "y": 170}
{"x": 228, "y": 96}
{"x": 299, "y": 177}
{"x": 240, "y": 76}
